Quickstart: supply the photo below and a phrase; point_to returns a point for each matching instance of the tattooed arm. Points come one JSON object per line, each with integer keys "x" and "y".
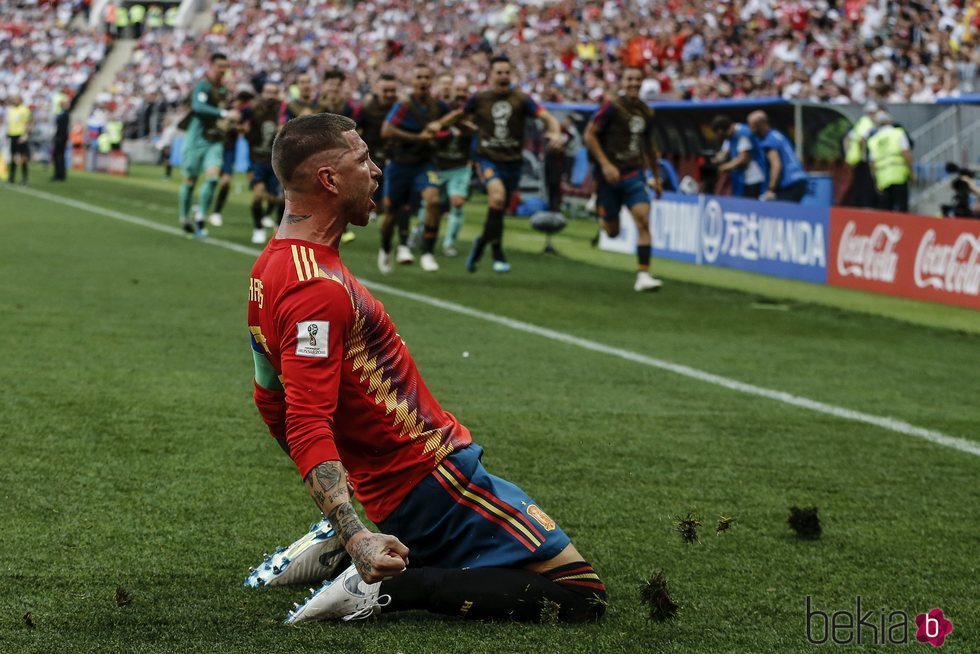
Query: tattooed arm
{"x": 376, "y": 556}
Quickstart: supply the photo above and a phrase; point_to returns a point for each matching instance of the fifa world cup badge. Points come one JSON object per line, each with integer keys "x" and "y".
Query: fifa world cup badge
{"x": 311, "y": 338}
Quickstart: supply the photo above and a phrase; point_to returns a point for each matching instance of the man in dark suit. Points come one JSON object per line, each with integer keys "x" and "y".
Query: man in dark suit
{"x": 61, "y": 128}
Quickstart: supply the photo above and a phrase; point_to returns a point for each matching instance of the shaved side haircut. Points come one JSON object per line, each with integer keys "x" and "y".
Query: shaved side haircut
{"x": 302, "y": 137}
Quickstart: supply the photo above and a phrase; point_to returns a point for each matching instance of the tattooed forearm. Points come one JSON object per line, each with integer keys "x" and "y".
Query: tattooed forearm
{"x": 327, "y": 484}
{"x": 345, "y": 522}
{"x": 323, "y": 481}
{"x": 362, "y": 554}
{"x": 297, "y": 218}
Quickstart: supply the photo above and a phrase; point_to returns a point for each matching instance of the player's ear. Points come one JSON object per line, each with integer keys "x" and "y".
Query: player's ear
{"x": 327, "y": 176}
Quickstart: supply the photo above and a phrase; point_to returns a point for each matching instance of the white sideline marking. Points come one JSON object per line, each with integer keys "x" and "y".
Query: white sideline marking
{"x": 884, "y": 422}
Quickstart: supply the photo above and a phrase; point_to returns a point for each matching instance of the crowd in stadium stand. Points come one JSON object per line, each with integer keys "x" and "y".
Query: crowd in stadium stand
{"x": 41, "y": 58}
{"x": 836, "y": 51}
{"x": 819, "y": 50}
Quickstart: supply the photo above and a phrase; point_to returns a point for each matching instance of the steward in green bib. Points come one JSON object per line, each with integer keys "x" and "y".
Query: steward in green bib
{"x": 136, "y": 15}
{"x": 856, "y": 155}
{"x": 890, "y": 154}
{"x": 154, "y": 17}
{"x": 114, "y": 130}
{"x": 122, "y": 22}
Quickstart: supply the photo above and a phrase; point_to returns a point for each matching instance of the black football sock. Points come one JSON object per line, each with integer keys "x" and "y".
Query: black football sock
{"x": 497, "y": 241}
{"x": 219, "y": 204}
{"x": 257, "y": 214}
{"x": 493, "y": 232}
{"x": 404, "y": 222}
{"x": 23, "y": 172}
{"x": 387, "y": 232}
{"x": 12, "y": 173}
{"x": 643, "y": 256}
{"x": 429, "y": 239}
{"x": 496, "y": 594}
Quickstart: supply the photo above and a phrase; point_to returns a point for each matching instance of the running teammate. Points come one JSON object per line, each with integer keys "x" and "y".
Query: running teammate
{"x": 442, "y": 89}
{"x": 453, "y": 160}
{"x": 204, "y": 142}
{"x": 260, "y": 122}
{"x": 305, "y": 101}
{"x": 411, "y": 175}
{"x": 332, "y": 98}
{"x": 619, "y": 138}
{"x": 500, "y": 114}
{"x": 338, "y": 389}
{"x": 230, "y": 147}
{"x": 372, "y": 118}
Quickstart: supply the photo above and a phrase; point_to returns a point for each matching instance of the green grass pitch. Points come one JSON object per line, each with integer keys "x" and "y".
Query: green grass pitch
{"x": 132, "y": 457}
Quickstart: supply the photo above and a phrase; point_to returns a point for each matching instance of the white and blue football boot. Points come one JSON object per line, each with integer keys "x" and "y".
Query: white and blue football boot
{"x": 345, "y": 598}
{"x": 318, "y": 555}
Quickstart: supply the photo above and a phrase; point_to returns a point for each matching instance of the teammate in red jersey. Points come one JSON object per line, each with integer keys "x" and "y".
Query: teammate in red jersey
{"x": 340, "y": 392}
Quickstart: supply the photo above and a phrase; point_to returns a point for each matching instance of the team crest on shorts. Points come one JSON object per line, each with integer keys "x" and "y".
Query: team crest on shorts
{"x": 543, "y": 519}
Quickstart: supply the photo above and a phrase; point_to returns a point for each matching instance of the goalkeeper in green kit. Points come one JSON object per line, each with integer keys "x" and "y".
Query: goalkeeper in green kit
{"x": 203, "y": 149}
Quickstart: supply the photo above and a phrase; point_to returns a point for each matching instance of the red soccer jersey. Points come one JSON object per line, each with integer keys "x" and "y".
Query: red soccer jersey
{"x": 336, "y": 379}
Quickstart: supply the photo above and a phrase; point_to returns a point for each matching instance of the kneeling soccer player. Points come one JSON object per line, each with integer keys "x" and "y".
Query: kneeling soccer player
{"x": 340, "y": 392}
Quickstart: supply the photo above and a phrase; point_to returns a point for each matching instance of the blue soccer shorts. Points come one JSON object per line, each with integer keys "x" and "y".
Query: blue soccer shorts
{"x": 262, "y": 173}
{"x": 508, "y": 172}
{"x": 404, "y": 183}
{"x": 461, "y": 516}
{"x": 228, "y": 161}
{"x": 629, "y": 191}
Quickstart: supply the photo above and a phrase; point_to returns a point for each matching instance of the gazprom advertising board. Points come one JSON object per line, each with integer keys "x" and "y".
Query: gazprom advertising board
{"x": 772, "y": 238}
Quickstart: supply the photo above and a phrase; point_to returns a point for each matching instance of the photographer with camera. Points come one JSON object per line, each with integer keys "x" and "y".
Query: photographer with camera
{"x": 964, "y": 186}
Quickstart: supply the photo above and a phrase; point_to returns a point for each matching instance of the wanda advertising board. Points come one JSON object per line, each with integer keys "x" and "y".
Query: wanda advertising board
{"x": 910, "y": 256}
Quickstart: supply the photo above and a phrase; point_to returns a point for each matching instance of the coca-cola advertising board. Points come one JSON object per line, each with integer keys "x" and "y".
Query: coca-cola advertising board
{"x": 910, "y": 256}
